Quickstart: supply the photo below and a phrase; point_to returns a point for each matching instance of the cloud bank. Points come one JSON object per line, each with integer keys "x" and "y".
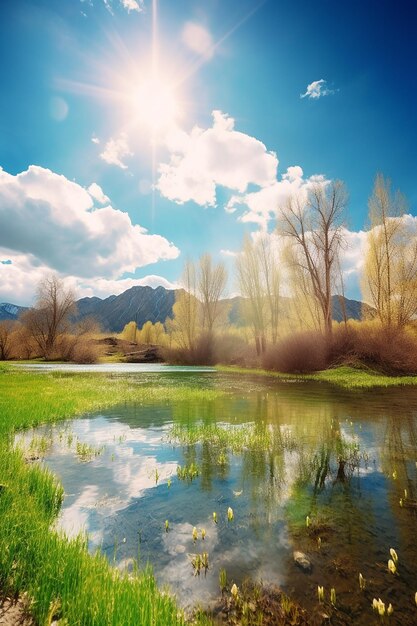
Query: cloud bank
{"x": 49, "y": 223}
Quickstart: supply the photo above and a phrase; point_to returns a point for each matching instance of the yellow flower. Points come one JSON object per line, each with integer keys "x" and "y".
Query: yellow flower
{"x": 390, "y": 609}
{"x": 391, "y": 566}
{"x": 394, "y": 555}
{"x": 230, "y": 515}
{"x": 234, "y": 591}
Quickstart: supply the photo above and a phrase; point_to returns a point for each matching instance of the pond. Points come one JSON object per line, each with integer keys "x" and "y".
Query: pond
{"x": 302, "y": 467}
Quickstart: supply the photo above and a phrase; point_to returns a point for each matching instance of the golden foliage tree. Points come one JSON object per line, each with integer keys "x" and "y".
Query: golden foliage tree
{"x": 389, "y": 281}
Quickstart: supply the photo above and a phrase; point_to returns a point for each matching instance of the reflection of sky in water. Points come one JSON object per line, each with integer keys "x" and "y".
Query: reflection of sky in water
{"x": 117, "y": 500}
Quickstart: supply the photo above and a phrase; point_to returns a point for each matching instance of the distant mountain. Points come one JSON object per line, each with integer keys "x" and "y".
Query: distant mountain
{"x": 10, "y": 311}
{"x": 353, "y": 309}
{"x": 141, "y": 304}
{"x": 138, "y": 304}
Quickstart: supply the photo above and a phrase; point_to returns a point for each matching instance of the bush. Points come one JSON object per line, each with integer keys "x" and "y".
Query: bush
{"x": 391, "y": 351}
{"x": 300, "y": 353}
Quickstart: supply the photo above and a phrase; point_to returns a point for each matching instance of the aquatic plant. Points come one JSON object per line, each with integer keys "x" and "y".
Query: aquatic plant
{"x": 333, "y": 596}
{"x": 188, "y": 472}
{"x": 362, "y": 582}
{"x": 169, "y": 483}
{"x": 391, "y": 566}
{"x": 215, "y": 517}
{"x": 307, "y": 521}
{"x": 319, "y": 543}
{"x": 203, "y": 533}
{"x": 230, "y": 514}
{"x": 166, "y": 525}
{"x": 234, "y": 591}
{"x": 320, "y": 593}
{"x": 223, "y": 580}
{"x": 85, "y": 452}
{"x": 195, "y": 534}
{"x": 394, "y": 555}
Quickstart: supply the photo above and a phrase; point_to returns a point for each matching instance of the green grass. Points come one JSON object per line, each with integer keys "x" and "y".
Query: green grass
{"x": 61, "y": 578}
{"x": 344, "y": 376}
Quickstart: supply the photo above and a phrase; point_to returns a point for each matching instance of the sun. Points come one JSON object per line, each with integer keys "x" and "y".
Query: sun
{"x": 154, "y": 104}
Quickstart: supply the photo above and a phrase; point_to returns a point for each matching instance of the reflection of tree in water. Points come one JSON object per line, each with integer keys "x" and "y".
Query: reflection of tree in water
{"x": 400, "y": 451}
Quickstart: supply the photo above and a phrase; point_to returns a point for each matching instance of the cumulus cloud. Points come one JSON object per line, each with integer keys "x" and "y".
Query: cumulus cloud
{"x": 56, "y": 224}
{"x": 264, "y": 204}
{"x": 317, "y": 89}
{"x": 96, "y": 192}
{"x": 219, "y": 155}
{"x": 115, "y": 150}
{"x": 198, "y": 39}
{"x": 132, "y": 5}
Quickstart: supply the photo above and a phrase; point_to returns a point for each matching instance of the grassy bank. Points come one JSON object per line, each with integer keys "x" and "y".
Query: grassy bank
{"x": 63, "y": 581}
{"x": 346, "y": 377}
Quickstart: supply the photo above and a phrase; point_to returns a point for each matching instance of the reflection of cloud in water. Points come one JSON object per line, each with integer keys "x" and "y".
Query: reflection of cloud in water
{"x": 127, "y": 467}
{"x": 251, "y": 556}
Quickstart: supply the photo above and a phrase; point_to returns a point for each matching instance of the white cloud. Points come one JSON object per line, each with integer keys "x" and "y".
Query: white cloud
{"x": 229, "y": 253}
{"x": 219, "y": 155}
{"x": 317, "y": 89}
{"x": 132, "y": 5}
{"x": 95, "y": 139}
{"x": 55, "y": 224}
{"x": 96, "y": 192}
{"x": 264, "y": 204}
{"x": 198, "y": 39}
{"x": 116, "y": 149}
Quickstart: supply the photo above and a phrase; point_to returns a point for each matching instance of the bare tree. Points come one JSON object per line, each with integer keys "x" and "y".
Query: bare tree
{"x": 6, "y": 330}
{"x": 252, "y": 289}
{"x": 211, "y": 283}
{"x": 50, "y": 318}
{"x": 313, "y": 227}
{"x": 389, "y": 282}
{"x": 184, "y": 325}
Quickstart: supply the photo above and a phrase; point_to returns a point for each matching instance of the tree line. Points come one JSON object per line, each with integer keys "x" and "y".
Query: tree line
{"x": 287, "y": 280}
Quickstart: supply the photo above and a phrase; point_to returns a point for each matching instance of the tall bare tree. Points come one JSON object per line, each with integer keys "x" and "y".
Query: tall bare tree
{"x": 50, "y": 317}
{"x": 185, "y": 322}
{"x": 389, "y": 281}
{"x": 314, "y": 229}
{"x": 211, "y": 283}
{"x": 259, "y": 280}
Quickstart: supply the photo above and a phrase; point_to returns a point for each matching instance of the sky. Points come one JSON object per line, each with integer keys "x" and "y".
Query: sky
{"x": 135, "y": 134}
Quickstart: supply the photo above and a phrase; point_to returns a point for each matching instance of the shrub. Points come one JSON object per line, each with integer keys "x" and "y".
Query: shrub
{"x": 299, "y": 354}
{"x": 388, "y": 350}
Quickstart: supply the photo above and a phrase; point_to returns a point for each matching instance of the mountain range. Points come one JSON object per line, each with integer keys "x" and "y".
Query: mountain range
{"x": 142, "y": 304}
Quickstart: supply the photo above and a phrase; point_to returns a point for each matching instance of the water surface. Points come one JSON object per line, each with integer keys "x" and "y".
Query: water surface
{"x": 286, "y": 451}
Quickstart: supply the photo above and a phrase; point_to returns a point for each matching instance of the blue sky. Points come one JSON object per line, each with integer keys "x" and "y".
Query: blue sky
{"x": 75, "y": 99}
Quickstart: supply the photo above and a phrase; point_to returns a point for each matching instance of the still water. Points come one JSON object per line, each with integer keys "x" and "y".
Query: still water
{"x": 276, "y": 453}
